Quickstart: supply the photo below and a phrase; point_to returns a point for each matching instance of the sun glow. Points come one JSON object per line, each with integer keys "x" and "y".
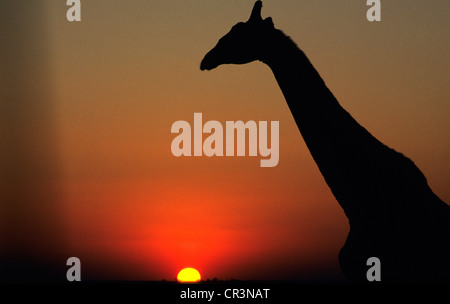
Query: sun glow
{"x": 188, "y": 275}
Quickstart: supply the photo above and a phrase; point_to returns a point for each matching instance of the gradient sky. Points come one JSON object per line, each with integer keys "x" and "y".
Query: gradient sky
{"x": 129, "y": 69}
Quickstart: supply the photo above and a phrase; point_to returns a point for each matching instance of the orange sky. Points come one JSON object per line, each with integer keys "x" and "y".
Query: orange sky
{"x": 129, "y": 69}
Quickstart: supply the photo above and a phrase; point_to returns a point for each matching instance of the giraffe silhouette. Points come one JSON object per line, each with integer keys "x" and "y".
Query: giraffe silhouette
{"x": 393, "y": 214}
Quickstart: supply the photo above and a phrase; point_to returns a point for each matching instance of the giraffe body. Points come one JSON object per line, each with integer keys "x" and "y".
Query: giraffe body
{"x": 392, "y": 212}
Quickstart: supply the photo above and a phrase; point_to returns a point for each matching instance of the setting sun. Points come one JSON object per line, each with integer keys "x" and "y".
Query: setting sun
{"x": 188, "y": 275}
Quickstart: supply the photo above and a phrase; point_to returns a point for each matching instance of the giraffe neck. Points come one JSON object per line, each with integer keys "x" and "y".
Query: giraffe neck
{"x": 339, "y": 145}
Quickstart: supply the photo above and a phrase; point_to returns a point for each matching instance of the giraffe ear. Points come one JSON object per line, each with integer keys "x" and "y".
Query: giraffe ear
{"x": 268, "y": 22}
{"x": 256, "y": 12}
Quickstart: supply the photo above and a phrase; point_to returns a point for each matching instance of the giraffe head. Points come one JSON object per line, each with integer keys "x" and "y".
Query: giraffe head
{"x": 243, "y": 44}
